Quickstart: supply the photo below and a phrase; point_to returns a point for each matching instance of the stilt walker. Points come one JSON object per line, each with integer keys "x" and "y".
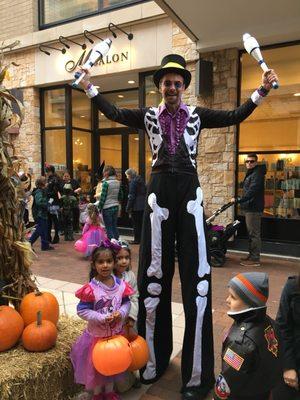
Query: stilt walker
{"x": 174, "y": 210}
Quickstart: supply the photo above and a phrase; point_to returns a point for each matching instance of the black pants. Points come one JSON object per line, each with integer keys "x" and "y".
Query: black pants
{"x": 172, "y": 212}
{"x": 76, "y": 219}
{"x": 285, "y": 392}
{"x": 137, "y": 222}
{"x": 68, "y": 224}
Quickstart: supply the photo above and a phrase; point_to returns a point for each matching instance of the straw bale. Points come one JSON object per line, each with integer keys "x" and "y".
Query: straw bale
{"x": 44, "y": 375}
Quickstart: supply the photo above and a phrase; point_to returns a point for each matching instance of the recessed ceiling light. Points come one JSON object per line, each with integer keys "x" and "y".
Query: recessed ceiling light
{"x": 136, "y": 138}
{"x": 131, "y": 82}
{"x": 297, "y": 94}
{"x": 120, "y": 96}
{"x": 82, "y": 116}
{"x": 152, "y": 92}
{"x": 101, "y": 114}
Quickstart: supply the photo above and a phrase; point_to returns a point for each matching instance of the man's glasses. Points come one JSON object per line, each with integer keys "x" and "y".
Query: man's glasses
{"x": 250, "y": 161}
{"x": 177, "y": 84}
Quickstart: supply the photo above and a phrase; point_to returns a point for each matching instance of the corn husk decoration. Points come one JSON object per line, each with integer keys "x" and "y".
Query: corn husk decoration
{"x": 15, "y": 251}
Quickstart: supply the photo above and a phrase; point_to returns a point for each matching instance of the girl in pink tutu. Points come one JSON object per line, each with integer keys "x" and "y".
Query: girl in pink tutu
{"x": 105, "y": 304}
{"x": 93, "y": 233}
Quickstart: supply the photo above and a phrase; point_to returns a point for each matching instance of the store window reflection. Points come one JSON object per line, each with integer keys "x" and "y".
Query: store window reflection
{"x": 133, "y": 149}
{"x": 273, "y": 131}
{"x": 111, "y": 151}
{"x": 55, "y": 149}
{"x": 122, "y": 99}
{"x": 54, "y": 107}
{"x": 82, "y": 163}
{"x": 81, "y": 110}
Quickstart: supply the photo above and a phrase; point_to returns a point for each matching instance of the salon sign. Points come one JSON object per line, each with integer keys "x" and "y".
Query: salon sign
{"x": 71, "y": 65}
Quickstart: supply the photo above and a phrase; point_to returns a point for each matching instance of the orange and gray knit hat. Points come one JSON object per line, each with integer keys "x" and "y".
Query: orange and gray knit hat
{"x": 251, "y": 287}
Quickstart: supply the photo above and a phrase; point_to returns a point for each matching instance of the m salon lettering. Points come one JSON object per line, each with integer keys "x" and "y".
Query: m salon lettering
{"x": 71, "y": 65}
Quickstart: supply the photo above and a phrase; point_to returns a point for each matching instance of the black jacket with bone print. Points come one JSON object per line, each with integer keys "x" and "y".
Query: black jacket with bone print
{"x": 184, "y": 159}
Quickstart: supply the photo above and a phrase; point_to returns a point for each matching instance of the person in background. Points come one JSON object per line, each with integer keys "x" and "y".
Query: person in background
{"x": 110, "y": 198}
{"x": 68, "y": 202}
{"x": 288, "y": 320}
{"x": 40, "y": 214}
{"x": 99, "y": 177}
{"x": 26, "y": 186}
{"x": 252, "y": 203}
{"x": 136, "y": 202}
{"x": 76, "y": 192}
{"x": 251, "y": 364}
{"x": 53, "y": 190}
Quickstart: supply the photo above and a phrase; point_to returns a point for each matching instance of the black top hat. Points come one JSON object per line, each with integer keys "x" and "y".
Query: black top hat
{"x": 172, "y": 63}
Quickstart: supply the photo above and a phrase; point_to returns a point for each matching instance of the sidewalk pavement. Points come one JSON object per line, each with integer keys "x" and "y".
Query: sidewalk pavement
{"x": 64, "y": 270}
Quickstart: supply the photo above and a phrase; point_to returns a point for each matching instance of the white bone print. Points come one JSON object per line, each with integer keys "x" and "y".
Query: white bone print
{"x": 195, "y": 208}
{"x": 158, "y": 215}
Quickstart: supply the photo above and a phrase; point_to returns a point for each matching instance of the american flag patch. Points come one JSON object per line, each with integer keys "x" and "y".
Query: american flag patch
{"x": 233, "y": 359}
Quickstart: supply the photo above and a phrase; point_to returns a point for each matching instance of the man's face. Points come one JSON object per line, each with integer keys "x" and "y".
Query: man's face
{"x": 171, "y": 87}
{"x": 251, "y": 162}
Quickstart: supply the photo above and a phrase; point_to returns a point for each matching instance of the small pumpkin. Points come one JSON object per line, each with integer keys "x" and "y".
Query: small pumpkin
{"x": 11, "y": 327}
{"x": 40, "y": 335}
{"x": 140, "y": 353}
{"x": 112, "y": 355}
{"x": 39, "y": 301}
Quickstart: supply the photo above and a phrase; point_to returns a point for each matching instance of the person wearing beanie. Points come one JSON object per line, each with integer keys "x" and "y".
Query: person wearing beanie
{"x": 251, "y": 362}
{"x": 68, "y": 202}
{"x": 174, "y": 211}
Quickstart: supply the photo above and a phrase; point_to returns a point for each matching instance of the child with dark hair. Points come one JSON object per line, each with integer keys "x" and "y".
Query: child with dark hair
{"x": 104, "y": 303}
{"x": 251, "y": 366}
{"x": 288, "y": 319}
{"x": 68, "y": 202}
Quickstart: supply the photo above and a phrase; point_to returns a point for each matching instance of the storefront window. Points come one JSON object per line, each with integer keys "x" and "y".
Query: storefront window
{"x": 54, "y": 107}
{"x": 82, "y": 163}
{"x": 133, "y": 148}
{"x": 55, "y": 149}
{"x": 81, "y": 110}
{"x": 273, "y": 131}
{"x": 122, "y": 99}
{"x": 55, "y": 11}
{"x": 111, "y": 151}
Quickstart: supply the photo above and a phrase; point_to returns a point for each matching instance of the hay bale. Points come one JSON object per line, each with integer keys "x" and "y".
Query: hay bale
{"x": 38, "y": 376}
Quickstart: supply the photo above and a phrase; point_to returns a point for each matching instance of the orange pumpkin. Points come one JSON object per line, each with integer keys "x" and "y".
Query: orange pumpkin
{"x": 129, "y": 333}
{"x": 11, "y": 327}
{"x": 39, "y": 301}
{"x": 40, "y": 335}
{"x": 112, "y": 355}
{"x": 139, "y": 352}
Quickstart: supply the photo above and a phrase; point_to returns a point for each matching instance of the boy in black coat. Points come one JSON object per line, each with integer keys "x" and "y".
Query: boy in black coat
{"x": 251, "y": 365}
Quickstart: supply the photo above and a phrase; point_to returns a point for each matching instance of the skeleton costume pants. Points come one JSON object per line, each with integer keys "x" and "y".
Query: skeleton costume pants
{"x": 174, "y": 211}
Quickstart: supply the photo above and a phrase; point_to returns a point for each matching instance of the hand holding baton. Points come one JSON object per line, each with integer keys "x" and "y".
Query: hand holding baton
{"x": 252, "y": 47}
{"x": 99, "y": 51}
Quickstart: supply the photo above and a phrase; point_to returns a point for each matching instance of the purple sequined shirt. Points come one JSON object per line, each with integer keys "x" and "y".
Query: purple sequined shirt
{"x": 173, "y": 125}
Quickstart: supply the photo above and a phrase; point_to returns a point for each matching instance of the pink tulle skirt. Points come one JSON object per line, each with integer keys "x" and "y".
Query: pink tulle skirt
{"x": 92, "y": 238}
{"x": 84, "y": 371}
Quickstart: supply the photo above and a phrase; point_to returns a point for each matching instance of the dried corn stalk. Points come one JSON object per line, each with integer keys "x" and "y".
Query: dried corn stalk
{"x": 15, "y": 251}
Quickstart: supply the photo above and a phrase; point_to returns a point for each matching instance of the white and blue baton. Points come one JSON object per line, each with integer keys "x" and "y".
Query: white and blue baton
{"x": 252, "y": 47}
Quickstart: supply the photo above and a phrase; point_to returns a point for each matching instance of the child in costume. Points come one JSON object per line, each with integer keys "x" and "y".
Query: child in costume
{"x": 122, "y": 270}
{"x": 93, "y": 233}
{"x": 68, "y": 202}
{"x": 251, "y": 365}
{"x": 104, "y": 303}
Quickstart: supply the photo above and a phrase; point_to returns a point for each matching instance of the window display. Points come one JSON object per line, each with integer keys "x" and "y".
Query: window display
{"x": 282, "y": 184}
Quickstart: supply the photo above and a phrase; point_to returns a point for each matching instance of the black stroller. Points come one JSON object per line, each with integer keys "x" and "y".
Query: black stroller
{"x": 218, "y": 236}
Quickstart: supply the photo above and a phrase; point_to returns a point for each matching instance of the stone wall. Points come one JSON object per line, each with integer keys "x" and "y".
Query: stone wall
{"x": 18, "y": 17}
{"x": 28, "y": 143}
{"x": 217, "y": 147}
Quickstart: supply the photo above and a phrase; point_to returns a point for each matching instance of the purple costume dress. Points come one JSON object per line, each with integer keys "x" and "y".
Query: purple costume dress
{"x": 92, "y": 236}
{"x": 97, "y": 301}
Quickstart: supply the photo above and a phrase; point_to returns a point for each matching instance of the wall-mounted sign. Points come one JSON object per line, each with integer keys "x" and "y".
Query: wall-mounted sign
{"x": 71, "y": 65}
